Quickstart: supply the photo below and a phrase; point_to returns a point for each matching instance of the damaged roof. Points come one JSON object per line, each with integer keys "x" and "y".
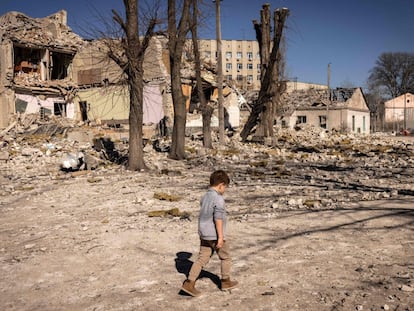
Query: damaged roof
{"x": 51, "y": 31}
{"x": 319, "y": 99}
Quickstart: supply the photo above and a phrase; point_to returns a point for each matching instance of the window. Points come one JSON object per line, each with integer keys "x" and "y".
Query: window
{"x": 239, "y": 55}
{"x": 229, "y": 66}
{"x": 249, "y": 66}
{"x": 250, "y": 56}
{"x": 229, "y": 77}
{"x": 301, "y": 120}
{"x": 42, "y": 63}
{"x": 258, "y": 55}
{"x": 239, "y": 66}
{"x": 239, "y": 78}
{"x": 228, "y": 55}
{"x": 363, "y": 124}
{"x": 59, "y": 109}
{"x": 249, "y": 78}
{"x": 322, "y": 122}
{"x": 353, "y": 123}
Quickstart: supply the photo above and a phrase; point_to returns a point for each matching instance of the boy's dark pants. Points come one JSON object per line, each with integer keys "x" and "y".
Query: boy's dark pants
{"x": 207, "y": 249}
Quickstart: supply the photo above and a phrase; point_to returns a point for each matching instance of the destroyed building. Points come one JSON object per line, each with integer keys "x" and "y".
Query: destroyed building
{"x": 46, "y": 69}
{"x": 340, "y": 109}
{"x": 36, "y": 73}
{"x": 103, "y": 95}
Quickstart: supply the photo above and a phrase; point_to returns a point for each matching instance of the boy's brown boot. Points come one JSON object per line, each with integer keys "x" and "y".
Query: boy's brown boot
{"x": 189, "y": 288}
{"x": 227, "y": 284}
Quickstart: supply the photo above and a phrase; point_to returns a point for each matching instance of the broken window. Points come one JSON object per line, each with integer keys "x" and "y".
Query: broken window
{"x": 322, "y": 122}
{"x": 44, "y": 112}
{"x": 27, "y": 60}
{"x": 41, "y": 63}
{"x": 84, "y": 110}
{"x": 301, "y": 119}
{"x": 59, "y": 63}
{"x": 59, "y": 109}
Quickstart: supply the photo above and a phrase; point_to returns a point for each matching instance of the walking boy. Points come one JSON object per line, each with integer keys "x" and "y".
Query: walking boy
{"x": 212, "y": 231}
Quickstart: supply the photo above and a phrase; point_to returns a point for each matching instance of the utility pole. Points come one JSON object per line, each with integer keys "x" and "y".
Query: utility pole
{"x": 329, "y": 95}
{"x": 405, "y": 113}
{"x": 219, "y": 73}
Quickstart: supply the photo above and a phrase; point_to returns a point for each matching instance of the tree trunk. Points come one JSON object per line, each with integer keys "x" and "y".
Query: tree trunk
{"x": 136, "y": 152}
{"x": 135, "y": 73}
{"x": 206, "y": 110}
{"x": 176, "y": 42}
{"x": 268, "y": 87}
{"x": 132, "y": 65}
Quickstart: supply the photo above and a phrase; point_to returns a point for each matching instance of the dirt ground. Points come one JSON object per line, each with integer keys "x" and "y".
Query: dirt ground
{"x": 86, "y": 242}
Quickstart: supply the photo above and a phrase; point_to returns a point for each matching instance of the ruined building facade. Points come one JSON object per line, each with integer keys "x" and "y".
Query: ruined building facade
{"x": 46, "y": 68}
{"x": 36, "y": 64}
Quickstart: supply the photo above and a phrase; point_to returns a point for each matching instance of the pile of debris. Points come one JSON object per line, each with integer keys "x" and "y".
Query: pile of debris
{"x": 317, "y": 168}
{"x": 48, "y": 31}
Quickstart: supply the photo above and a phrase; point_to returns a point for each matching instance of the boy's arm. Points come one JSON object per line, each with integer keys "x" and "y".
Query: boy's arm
{"x": 220, "y": 235}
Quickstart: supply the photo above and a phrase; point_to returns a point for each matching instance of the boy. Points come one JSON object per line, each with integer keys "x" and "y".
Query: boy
{"x": 212, "y": 231}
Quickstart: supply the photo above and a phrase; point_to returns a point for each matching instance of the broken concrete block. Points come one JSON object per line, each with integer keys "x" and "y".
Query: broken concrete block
{"x": 4, "y": 155}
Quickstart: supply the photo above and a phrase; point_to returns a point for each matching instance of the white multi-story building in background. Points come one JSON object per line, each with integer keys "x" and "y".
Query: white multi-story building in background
{"x": 240, "y": 60}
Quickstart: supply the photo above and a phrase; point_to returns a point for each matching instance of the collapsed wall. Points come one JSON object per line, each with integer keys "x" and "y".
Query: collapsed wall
{"x": 35, "y": 63}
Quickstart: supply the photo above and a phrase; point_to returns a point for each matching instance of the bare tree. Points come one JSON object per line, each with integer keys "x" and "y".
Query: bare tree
{"x": 393, "y": 74}
{"x": 263, "y": 109}
{"x": 130, "y": 59}
{"x": 205, "y": 108}
{"x": 176, "y": 40}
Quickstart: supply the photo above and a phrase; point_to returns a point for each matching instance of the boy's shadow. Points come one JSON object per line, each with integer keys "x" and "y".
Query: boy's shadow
{"x": 183, "y": 265}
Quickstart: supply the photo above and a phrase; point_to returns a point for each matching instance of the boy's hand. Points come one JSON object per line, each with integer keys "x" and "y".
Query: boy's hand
{"x": 219, "y": 228}
{"x": 220, "y": 243}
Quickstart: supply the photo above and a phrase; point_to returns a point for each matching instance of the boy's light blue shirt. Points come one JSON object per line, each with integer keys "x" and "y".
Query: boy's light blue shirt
{"x": 211, "y": 208}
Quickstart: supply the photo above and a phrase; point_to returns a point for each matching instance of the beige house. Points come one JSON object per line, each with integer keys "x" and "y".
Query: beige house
{"x": 340, "y": 109}
{"x": 103, "y": 95}
{"x": 399, "y": 112}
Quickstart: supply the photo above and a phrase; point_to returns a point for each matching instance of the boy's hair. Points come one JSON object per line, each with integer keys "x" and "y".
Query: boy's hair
{"x": 218, "y": 177}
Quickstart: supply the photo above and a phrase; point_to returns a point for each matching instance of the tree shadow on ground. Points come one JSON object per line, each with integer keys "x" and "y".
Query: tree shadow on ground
{"x": 183, "y": 265}
{"x": 352, "y": 222}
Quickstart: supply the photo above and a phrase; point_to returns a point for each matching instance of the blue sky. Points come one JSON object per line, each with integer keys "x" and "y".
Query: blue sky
{"x": 350, "y": 35}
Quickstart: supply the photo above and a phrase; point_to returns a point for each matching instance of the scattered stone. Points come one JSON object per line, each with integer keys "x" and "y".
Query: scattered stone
{"x": 406, "y": 288}
{"x": 166, "y": 197}
{"x": 175, "y": 212}
{"x": 4, "y": 155}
